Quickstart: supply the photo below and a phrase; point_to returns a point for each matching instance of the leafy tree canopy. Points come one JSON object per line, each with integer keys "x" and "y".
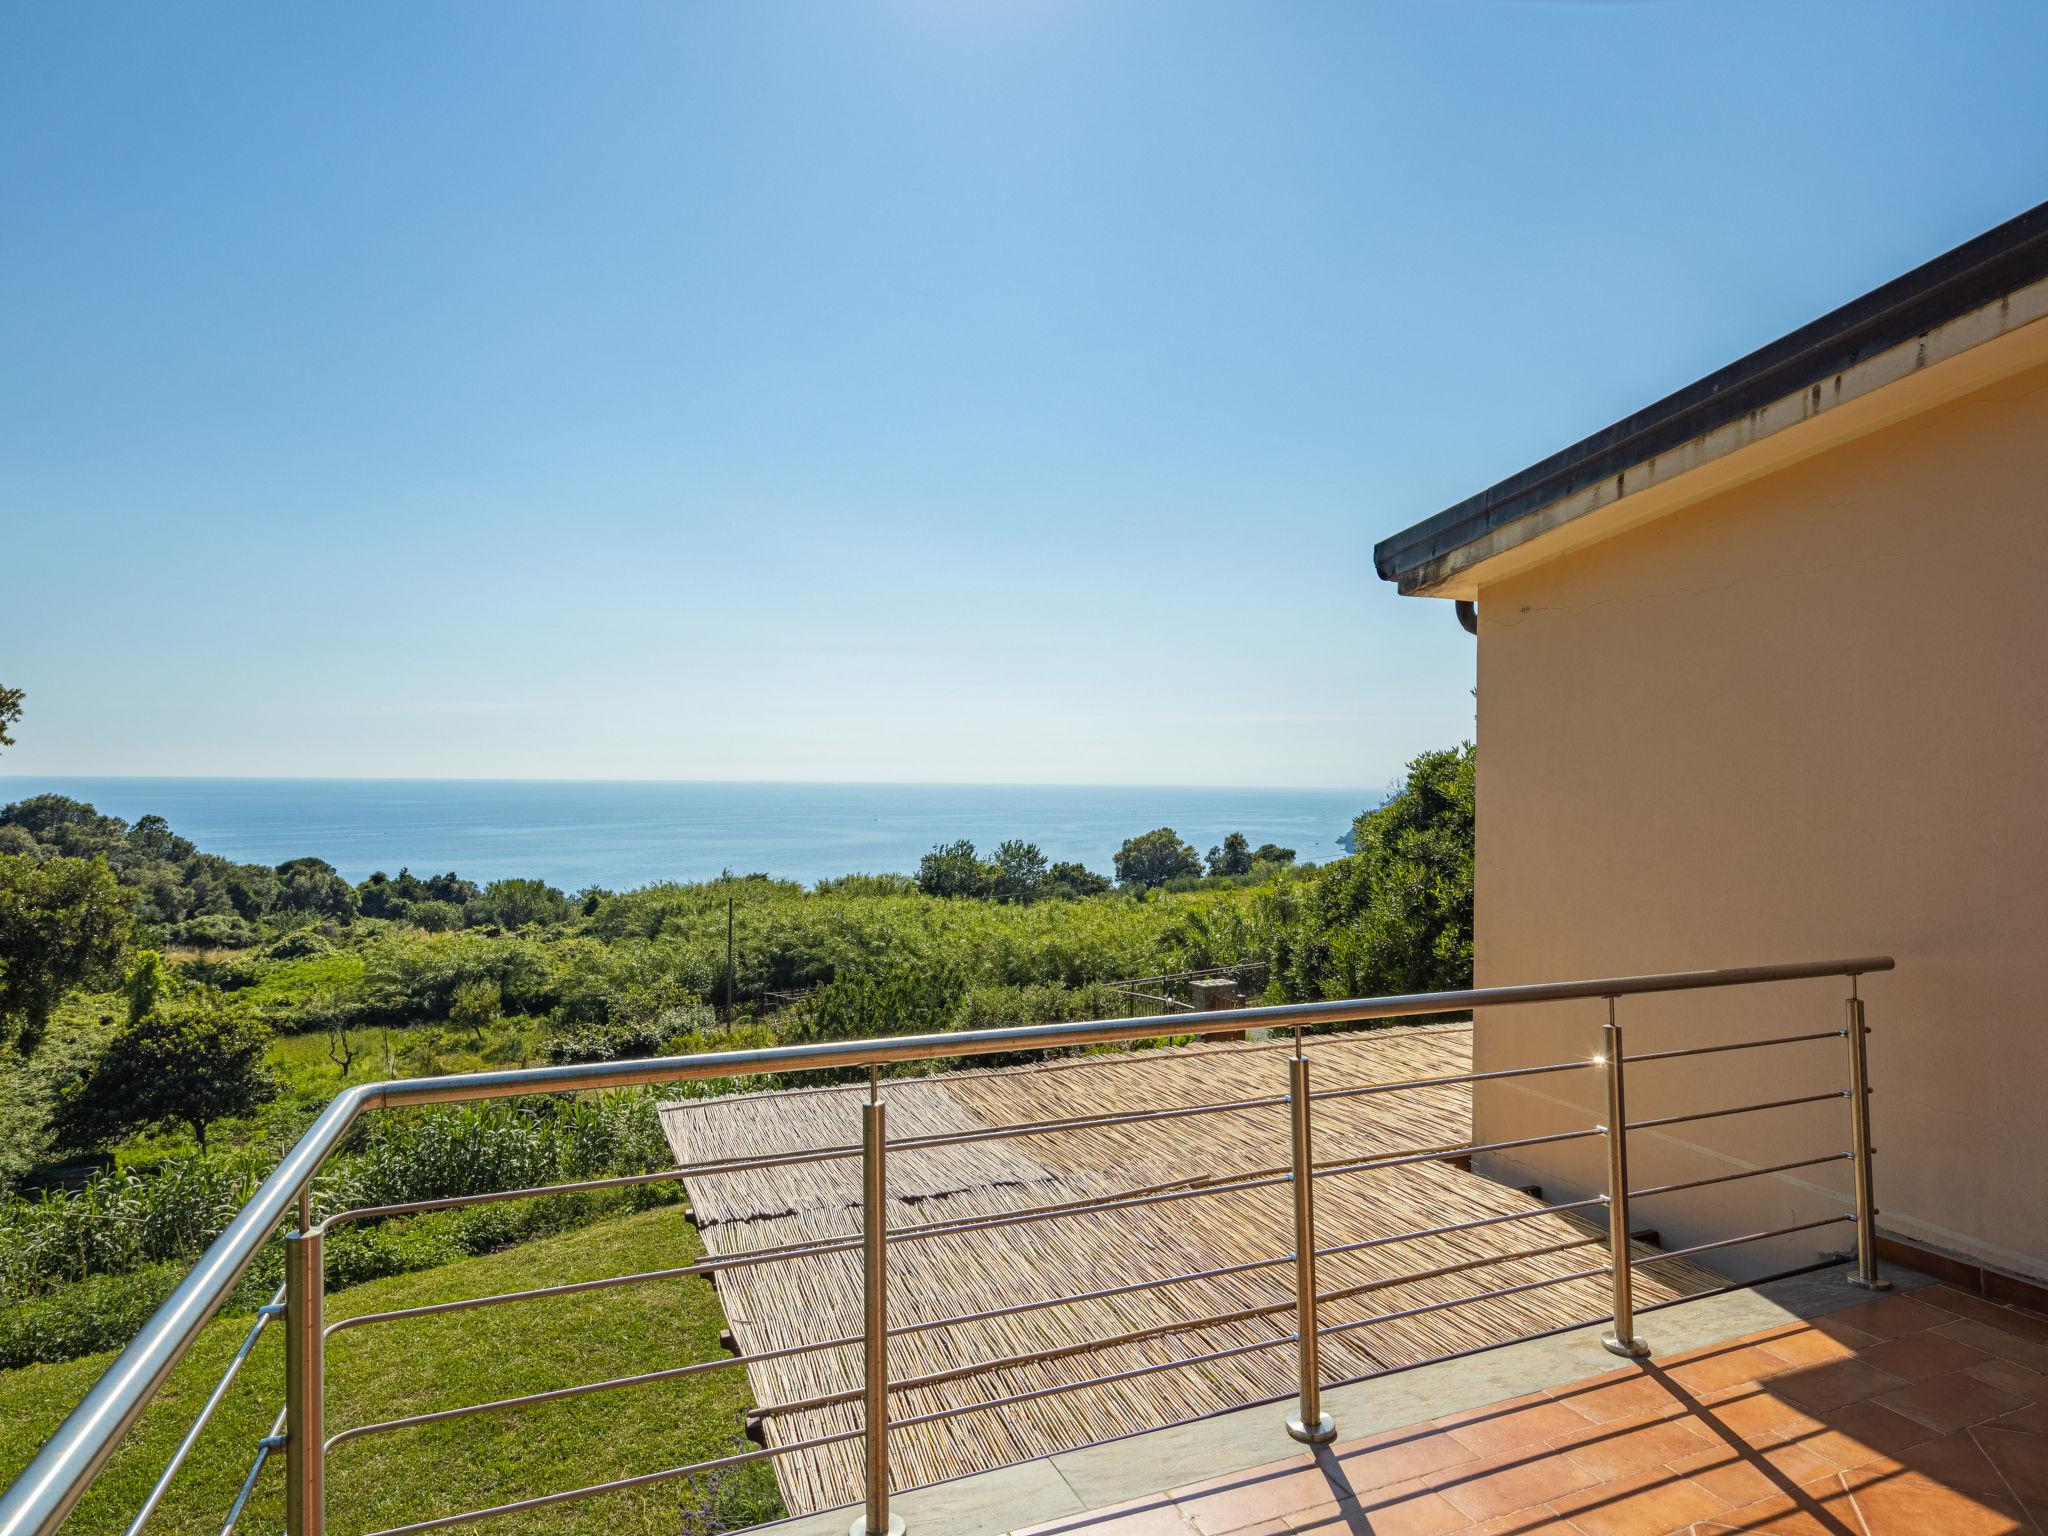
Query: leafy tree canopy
{"x": 1232, "y": 857}
{"x": 193, "y": 1057}
{"x": 951, "y": 869}
{"x": 63, "y": 923}
{"x": 10, "y": 711}
{"x": 1155, "y": 858}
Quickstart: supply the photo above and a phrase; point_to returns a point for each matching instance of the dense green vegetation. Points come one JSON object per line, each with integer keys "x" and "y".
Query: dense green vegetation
{"x": 170, "y": 1022}
{"x": 439, "y": 1362}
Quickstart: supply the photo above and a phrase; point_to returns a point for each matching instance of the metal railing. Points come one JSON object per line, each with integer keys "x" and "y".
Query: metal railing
{"x": 54, "y": 1481}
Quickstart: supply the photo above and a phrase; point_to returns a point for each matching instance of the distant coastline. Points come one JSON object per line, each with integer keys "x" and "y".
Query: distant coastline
{"x": 625, "y": 833}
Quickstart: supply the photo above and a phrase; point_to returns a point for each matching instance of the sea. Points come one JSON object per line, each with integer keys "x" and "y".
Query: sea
{"x": 622, "y": 834}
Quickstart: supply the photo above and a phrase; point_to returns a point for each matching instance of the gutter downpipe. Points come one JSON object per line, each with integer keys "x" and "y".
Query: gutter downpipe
{"x": 1468, "y": 616}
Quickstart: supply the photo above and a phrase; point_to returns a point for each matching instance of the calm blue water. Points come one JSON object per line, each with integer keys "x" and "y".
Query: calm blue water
{"x": 579, "y": 832}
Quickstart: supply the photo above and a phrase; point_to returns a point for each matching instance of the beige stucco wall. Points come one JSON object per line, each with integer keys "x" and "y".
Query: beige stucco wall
{"x": 1806, "y": 718}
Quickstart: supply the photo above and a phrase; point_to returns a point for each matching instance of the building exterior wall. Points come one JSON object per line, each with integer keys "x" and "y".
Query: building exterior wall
{"x": 1804, "y": 719}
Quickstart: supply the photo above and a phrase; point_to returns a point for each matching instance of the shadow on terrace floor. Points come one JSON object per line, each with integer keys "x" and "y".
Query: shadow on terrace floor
{"x": 1920, "y": 1415}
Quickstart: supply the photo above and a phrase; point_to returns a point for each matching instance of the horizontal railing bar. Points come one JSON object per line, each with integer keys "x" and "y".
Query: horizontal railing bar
{"x": 1459, "y": 1301}
{"x": 710, "y": 1266}
{"x": 213, "y": 1401}
{"x": 1747, "y": 1237}
{"x": 610, "y": 1384}
{"x": 1739, "y": 1109}
{"x": 584, "y": 1186}
{"x": 667, "y": 1474}
{"x": 1747, "y": 1173}
{"x": 264, "y": 1447}
{"x": 52, "y": 1483}
{"x": 1739, "y": 1045}
{"x": 1462, "y": 1226}
{"x": 1152, "y": 1369}
{"x": 1359, "y": 1090}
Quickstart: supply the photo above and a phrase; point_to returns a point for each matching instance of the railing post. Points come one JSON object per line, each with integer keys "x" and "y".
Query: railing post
{"x": 1622, "y": 1341}
{"x": 1310, "y": 1424}
{"x": 1859, "y": 1129}
{"x": 875, "y": 1519}
{"x": 305, "y": 1281}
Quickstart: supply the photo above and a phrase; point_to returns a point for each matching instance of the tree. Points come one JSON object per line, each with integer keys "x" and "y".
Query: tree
{"x": 477, "y": 1006}
{"x": 314, "y": 886}
{"x": 63, "y": 923}
{"x": 1155, "y": 858}
{"x": 1073, "y": 881}
{"x": 1234, "y": 857}
{"x": 515, "y": 903}
{"x": 1397, "y": 915}
{"x": 951, "y": 869}
{"x": 1020, "y": 871}
{"x": 1272, "y": 853}
{"x": 10, "y": 711}
{"x": 194, "y": 1059}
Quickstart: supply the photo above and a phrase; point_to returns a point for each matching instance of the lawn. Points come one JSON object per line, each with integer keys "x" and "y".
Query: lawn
{"x": 422, "y": 1364}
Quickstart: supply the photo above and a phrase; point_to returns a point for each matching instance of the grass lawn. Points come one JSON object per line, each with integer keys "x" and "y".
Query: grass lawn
{"x": 421, "y": 1364}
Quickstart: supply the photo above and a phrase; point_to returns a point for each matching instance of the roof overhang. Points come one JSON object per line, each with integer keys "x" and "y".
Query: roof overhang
{"x": 1961, "y": 322}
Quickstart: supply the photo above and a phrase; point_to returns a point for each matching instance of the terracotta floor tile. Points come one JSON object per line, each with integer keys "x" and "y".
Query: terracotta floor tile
{"x": 1631, "y": 1450}
{"x": 1650, "y": 1504}
{"x": 2031, "y": 1420}
{"x": 1949, "y": 1402}
{"x": 2022, "y": 1460}
{"x": 1929, "y": 1352}
{"x": 1821, "y": 1387}
{"x": 2031, "y": 1385}
{"x": 1955, "y": 1461}
{"x": 1797, "y": 1462}
{"x": 2024, "y": 1325}
{"x": 1536, "y": 1520}
{"x": 1892, "y": 1316}
{"x": 1727, "y": 1368}
{"x": 1857, "y": 1433}
{"x": 1406, "y": 1509}
{"x": 1738, "y": 1476}
{"x": 1495, "y": 1485}
{"x": 1798, "y": 1515}
{"x": 1754, "y": 1409}
{"x": 1382, "y": 1459}
{"x": 1525, "y": 1423}
{"x": 1624, "y": 1395}
{"x": 1229, "y": 1503}
{"x": 1994, "y": 1341}
{"x": 1909, "y": 1504}
{"x": 1811, "y": 1346}
{"x": 1156, "y": 1516}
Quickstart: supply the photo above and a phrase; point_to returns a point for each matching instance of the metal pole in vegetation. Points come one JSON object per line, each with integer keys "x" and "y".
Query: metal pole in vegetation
{"x": 305, "y": 1499}
{"x": 1622, "y": 1341}
{"x": 1859, "y": 1125}
{"x": 1310, "y": 1424}
{"x": 876, "y": 1520}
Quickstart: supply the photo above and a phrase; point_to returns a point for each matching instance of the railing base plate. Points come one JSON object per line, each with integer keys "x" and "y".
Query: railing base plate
{"x": 1861, "y": 1284}
{"x": 1322, "y": 1432}
{"x": 1628, "y": 1349}
{"x": 860, "y": 1526}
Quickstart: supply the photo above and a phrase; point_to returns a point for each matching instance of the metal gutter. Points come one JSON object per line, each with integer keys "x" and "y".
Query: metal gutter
{"x": 1975, "y": 274}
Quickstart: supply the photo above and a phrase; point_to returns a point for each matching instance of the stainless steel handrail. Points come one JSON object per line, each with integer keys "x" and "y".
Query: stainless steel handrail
{"x": 48, "y": 1488}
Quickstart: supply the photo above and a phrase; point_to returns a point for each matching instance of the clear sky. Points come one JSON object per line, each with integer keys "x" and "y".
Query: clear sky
{"x": 958, "y": 391}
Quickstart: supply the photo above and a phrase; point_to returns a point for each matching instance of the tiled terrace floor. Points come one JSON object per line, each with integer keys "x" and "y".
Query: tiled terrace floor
{"x": 1920, "y": 1415}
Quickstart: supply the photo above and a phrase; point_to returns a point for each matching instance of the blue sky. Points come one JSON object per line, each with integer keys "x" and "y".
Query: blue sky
{"x": 999, "y": 392}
